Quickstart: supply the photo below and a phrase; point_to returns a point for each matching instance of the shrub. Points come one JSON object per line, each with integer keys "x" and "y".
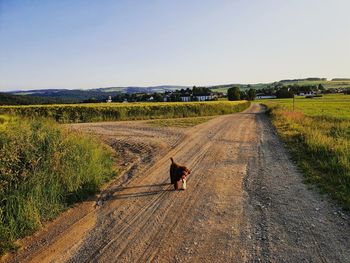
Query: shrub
{"x": 233, "y": 93}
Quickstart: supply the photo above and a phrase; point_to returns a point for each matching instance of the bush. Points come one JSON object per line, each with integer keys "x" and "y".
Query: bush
{"x": 44, "y": 169}
{"x": 233, "y": 93}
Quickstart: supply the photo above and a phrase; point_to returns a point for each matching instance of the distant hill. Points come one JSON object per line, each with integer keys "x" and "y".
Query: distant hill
{"x": 224, "y": 88}
{"x": 152, "y": 89}
{"x": 9, "y": 99}
{"x": 306, "y": 79}
{"x": 341, "y": 79}
{"x": 101, "y": 94}
{"x": 67, "y": 96}
{"x": 76, "y": 96}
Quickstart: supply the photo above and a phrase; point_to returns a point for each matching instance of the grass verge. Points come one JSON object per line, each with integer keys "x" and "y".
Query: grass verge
{"x": 321, "y": 147}
{"x": 43, "y": 170}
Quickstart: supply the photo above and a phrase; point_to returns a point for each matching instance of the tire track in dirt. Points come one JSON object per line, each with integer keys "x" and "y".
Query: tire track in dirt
{"x": 155, "y": 202}
{"x": 146, "y": 218}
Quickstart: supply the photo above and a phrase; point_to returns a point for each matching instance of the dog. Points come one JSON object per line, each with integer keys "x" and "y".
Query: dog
{"x": 177, "y": 172}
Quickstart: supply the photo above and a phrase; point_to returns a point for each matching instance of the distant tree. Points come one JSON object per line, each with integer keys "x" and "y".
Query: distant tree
{"x": 320, "y": 87}
{"x": 175, "y": 97}
{"x": 242, "y": 94}
{"x": 284, "y": 93}
{"x": 251, "y": 94}
{"x": 91, "y": 100}
{"x": 158, "y": 97}
{"x": 233, "y": 93}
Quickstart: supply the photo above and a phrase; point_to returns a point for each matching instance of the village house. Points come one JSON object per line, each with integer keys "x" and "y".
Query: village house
{"x": 196, "y": 94}
{"x": 210, "y": 96}
{"x": 263, "y": 96}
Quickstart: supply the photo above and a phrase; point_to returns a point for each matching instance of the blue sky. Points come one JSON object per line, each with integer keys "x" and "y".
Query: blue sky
{"x": 89, "y": 44}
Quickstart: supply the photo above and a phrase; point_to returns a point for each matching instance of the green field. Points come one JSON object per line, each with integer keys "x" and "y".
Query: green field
{"x": 68, "y": 113}
{"x": 317, "y": 135}
{"x": 332, "y": 105}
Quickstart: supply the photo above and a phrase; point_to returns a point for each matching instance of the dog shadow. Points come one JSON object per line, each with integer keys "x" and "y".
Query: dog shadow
{"x": 117, "y": 195}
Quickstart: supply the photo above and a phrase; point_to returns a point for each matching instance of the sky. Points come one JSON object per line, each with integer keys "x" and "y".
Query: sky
{"x": 81, "y": 44}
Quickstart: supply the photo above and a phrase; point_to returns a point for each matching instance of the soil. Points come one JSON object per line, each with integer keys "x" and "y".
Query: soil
{"x": 245, "y": 201}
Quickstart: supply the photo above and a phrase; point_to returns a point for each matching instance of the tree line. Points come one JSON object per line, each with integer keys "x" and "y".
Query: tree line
{"x": 235, "y": 93}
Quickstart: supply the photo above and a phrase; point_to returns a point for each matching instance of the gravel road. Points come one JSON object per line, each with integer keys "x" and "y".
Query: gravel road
{"x": 245, "y": 202}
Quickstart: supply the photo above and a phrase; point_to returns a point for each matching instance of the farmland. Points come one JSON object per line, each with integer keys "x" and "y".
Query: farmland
{"x": 70, "y": 113}
{"x": 317, "y": 134}
{"x": 332, "y": 105}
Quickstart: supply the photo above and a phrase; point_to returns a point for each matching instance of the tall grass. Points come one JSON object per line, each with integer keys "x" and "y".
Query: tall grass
{"x": 44, "y": 169}
{"x": 321, "y": 146}
{"x": 129, "y": 111}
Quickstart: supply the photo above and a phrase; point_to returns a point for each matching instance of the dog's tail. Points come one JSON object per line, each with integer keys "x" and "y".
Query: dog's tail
{"x": 172, "y": 160}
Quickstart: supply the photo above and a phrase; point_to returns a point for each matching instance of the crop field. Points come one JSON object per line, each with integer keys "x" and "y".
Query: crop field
{"x": 70, "y": 113}
{"x": 317, "y": 134}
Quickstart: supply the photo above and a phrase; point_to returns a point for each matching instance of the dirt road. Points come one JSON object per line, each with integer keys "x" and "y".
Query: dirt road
{"x": 245, "y": 202}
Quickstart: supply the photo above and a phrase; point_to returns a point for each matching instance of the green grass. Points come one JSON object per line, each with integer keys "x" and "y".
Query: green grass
{"x": 332, "y": 105}
{"x": 318, "y": 137}
{"x": 43, "y": 170}
{"x": 128, "y": 111}
{"x": 181, "y": 122}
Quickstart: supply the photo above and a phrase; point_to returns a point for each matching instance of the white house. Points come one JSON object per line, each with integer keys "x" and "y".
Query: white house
{"x": 266, "y": 96}
{"x": 306, "y": 93}
{"x": 205, "y": 97}
{"x": 185, "y": 98}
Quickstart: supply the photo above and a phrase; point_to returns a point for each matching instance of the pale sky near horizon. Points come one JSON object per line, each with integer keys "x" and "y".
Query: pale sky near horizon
{"x": 91, "y": 44}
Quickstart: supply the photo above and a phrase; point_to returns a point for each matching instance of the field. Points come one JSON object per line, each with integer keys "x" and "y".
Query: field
{"x": 332, "y": 105}
{"x": 318, "y": 136}
{"x": 70, "y": 113}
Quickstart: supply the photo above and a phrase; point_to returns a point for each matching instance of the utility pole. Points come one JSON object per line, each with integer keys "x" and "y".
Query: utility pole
{"x": 293, "y": 101}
